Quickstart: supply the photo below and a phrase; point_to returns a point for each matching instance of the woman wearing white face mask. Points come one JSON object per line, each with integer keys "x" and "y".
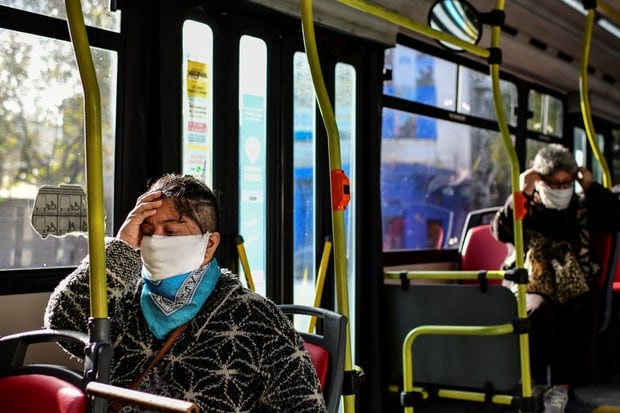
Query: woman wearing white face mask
{"x": 562, "y": 299}
{"x": 232, "y": 349}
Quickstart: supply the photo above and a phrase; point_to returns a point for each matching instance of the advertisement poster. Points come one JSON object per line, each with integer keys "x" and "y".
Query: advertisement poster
{"x": 197, "y": 134}
{"x": 252, "y": 182}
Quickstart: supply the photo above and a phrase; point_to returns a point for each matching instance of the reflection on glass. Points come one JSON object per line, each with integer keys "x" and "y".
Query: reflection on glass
{"x": 420, "y": 77}
{"x": 252, "y": 159}
{"x": 430, "y": 182}
{"x": 42, "y": 141}
{"x": 475, "y": 96}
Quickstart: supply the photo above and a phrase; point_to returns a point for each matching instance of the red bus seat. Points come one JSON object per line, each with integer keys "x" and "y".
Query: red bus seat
{"x": 605, "y": 250}
{"x": 320, "y": 360}
{"x": 481, "y": 251}
{"x": 41, "y": 393}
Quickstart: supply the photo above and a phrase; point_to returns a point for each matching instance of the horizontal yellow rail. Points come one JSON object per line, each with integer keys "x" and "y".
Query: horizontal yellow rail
{"x": 407, "y": 23}
{"x": 443, "y": 275}
{"x": 608, "y": 10}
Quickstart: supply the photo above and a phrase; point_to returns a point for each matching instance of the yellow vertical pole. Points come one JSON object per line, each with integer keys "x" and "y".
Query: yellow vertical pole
{"x": 320, "y": 280}
{"x": 94, "y": 162}
{"x": 244, "y": 263}
{"x": 339, "y": 184}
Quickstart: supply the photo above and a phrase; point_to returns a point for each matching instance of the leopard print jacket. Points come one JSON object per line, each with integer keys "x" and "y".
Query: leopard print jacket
{"x": 239, "y": 354}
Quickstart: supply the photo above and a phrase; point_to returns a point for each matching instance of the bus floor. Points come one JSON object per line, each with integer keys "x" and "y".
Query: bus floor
{"x": 602, "y": 397}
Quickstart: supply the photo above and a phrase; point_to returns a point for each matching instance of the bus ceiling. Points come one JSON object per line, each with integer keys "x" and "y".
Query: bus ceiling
{"x": 548, "y": 34}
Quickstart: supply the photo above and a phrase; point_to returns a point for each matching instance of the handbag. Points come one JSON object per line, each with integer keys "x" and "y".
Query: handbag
{"x": 554, "y": 270}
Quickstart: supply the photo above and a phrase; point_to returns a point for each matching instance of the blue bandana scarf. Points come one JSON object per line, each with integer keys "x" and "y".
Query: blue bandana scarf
{"x": 169, "y": 303}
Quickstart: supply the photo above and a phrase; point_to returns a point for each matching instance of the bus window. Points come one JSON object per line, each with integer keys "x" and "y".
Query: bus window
{"x": 197, "y": 74}
{"x": 96, "y": 12}
{"x": 345, "y": 112}
{"x": 252, "y": 159}
{"x": 431, "y": 180}
{"x": 581, "y": 149}
{"x": 304, "y": 135}
{"x": 475, "y": 97}
{"x": 42, "y": 141}
{"x": 434, "y": 171}
{"x": 547, "y": 114}
{"x": 615, "y": 154}
{"x": 414, "y": 77}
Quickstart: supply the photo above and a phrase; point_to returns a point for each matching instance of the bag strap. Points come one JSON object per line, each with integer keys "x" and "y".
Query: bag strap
{"x": 118, "y": 405}
{"x": 164, "y": 349}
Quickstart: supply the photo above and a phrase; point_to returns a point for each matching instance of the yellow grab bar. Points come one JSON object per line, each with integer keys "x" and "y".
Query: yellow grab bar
{"x": 586, "y": 112}
{"x": 337, "y": 178}
{"x": 94, "y": 162}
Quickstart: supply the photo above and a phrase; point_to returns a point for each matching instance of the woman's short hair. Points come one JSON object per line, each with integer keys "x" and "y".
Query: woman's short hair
{"x": 191, "y": 198}
{"x": 553, "y": 158}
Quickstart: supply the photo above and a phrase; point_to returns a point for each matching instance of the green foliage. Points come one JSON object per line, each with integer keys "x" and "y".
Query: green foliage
{"x": 41, "y": 103}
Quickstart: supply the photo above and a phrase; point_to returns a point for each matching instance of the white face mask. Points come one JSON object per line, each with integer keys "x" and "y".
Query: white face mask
{"x": 165, "y": 257}
{"x": 554, "y": 198}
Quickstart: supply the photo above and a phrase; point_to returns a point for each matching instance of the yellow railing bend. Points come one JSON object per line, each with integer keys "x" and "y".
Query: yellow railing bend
{"x": 407, "y": 358}
{"x": 586, "y": 112}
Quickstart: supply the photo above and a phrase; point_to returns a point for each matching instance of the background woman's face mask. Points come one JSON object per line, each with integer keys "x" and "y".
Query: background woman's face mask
{"x": 164, "y": 257}
{"x": 554, "y": 198}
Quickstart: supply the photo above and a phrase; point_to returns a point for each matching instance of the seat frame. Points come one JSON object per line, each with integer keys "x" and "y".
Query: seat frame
{"x": 332, "y": 339}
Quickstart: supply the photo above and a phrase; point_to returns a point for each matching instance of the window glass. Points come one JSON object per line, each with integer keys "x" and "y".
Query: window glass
{"x": 531, "y": 148}
{"x": 42, "y": 142}
{"x": 304, "y": 224}
{"x": 420, "y": 78}
{"x": 476, "y": 96}
{"x": 345, "y": 119}
{"x": 547, "y": 114}
{"x": 430, "y": 182}
{"x": 582, "y": 149}
{"x": 615, "y": 157}
{"x": 252, "y": 159}
{"x": 197, "y": 74}
{"x": 96, "y": 12}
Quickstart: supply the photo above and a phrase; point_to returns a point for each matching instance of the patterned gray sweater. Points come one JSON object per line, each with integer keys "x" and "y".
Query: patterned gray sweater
{"x": 239, "y": 354}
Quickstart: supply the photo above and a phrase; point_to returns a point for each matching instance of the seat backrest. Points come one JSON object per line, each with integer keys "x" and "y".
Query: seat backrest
{"x": 605, "y": 250}
{"x": 475, "y": 218}
{"x": 327, "y": 350}
{"x": 41, "y": 393}
{"x": 40, "y": 387}
{"x": 481, "y": 251}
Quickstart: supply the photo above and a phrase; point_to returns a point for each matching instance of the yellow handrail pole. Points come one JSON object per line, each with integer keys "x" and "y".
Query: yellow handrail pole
{"x": 586, "y": 112}
{"x": 608, "y": 10}
{"x": 320, "y": 280}
{"x": 524, "y": 349}
{"x": 94, "y": 162}
{"x": 400, "y": 20}
{"x": 245, "y": 263}
{"x": 333, "y": 140}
